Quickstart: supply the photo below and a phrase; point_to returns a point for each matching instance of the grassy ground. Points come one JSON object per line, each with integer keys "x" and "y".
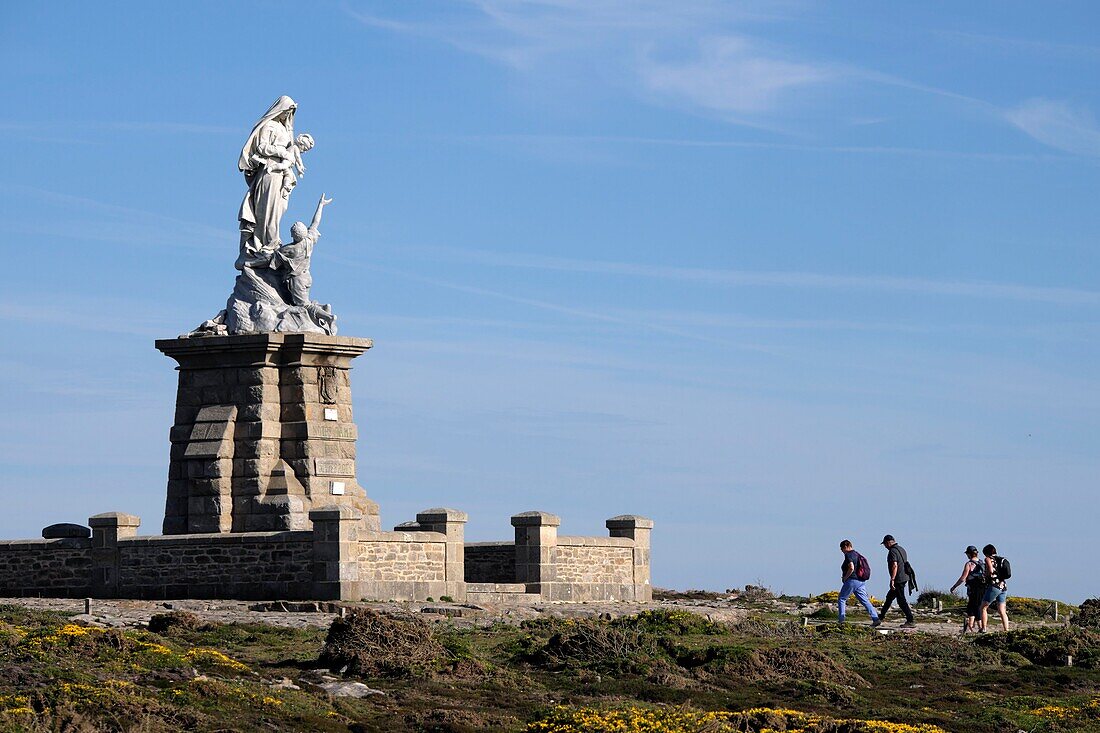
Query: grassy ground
{"x": 656, "y": 671}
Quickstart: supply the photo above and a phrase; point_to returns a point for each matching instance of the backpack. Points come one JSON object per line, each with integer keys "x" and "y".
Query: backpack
{"x": 1004, "y": 568}
{"x": 863, "y": 568}
{"x": 976, "y": 576}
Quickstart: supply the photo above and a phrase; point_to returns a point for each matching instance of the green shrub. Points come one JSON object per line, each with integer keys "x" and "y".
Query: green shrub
{"x": 1037, "y": 607}
{"x": 1088, "y": 614}
{"x": 1048, "y": 646}
{"x": 680, "y": 623}
{"x": 590, "y": 644}
{"x": 928, "y": 598}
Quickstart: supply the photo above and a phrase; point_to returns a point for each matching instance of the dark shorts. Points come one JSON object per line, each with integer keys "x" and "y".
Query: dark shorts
{"x": 974, "y": 595}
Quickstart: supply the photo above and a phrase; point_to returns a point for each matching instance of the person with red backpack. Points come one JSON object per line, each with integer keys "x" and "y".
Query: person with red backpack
{"x": 855, "y": 571}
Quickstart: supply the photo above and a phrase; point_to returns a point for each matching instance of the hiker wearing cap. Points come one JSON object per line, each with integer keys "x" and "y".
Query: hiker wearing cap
{"x": 997, "y": 571}
{"x": 973, "y": 576}
{"x": 855, "y": 571}
{"x": 897, "y": 562}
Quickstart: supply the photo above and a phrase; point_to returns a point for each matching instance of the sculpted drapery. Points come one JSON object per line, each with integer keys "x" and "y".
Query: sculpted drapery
{"x": 271, "y": 292}
{"x": 268, "y": 160}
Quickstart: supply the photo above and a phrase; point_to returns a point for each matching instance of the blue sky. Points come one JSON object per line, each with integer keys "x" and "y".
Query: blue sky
{"x": 772, "y": 274}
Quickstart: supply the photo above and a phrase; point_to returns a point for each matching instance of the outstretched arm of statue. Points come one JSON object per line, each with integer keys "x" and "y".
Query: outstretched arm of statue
{"x": 317, "y": 214}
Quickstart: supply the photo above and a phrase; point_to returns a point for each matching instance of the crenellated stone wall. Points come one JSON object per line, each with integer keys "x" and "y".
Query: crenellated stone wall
{"x": 338, "y": 559}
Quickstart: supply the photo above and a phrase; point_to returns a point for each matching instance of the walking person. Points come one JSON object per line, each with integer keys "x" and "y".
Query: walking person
{"x": 997, "y": 571}
{"x": 973, "y": 577}
{"x": 855, "y": 571}
{"x": 897, "y": 562}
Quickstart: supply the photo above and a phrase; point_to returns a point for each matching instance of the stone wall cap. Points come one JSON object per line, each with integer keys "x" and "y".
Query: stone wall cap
{"x": 624, "y": 521}
{"x": 65, "y": 530}
{"x": 442, "y": 514}
{"x": 114, "y": 519}
{"x": 264, "y": 341}
{"x": 535, "y": 519}
{"x": 334, "y": 511}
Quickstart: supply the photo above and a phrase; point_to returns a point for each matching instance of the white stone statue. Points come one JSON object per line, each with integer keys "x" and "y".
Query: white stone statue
{"x": 268, "y": 160}
{"x": 272, "y": 290}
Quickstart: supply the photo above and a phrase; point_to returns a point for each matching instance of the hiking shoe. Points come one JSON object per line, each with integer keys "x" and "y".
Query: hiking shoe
{"x": 909, "y": 625}
{"x": 876, "y": 623}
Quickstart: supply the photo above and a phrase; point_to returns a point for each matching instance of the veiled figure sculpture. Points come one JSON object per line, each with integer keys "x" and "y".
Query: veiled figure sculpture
{"x": 269, "y": 159}
{"x": 271, "y": 292}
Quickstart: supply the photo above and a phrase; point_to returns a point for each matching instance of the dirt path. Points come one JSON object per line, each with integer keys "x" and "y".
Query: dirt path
{"x": 135, "y": 614}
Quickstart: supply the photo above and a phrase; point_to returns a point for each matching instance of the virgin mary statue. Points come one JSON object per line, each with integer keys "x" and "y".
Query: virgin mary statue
{"x": 269, "y": 159}
{"x": 262, "y": 300}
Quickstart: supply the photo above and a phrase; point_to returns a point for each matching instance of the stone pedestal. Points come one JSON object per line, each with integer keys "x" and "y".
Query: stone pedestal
{"x": 263, "y": 432}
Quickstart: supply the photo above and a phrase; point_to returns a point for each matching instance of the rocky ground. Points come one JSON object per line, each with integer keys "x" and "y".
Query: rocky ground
{"x": 721, "y": 607}
{"x": 687, "y": 662}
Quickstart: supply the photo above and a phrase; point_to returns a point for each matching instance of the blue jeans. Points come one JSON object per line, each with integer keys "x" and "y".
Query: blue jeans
{"x": 853, "y": 586}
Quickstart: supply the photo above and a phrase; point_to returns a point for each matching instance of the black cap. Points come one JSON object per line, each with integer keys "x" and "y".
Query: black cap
{"x": 970, "y": 549}
{"x": 887, "y": 538}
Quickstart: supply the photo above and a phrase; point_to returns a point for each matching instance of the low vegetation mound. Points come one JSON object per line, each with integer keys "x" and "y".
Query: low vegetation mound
{"x": 372, "y": 644}
{"x": 1049, "y": 647}
{"x": 680, "y": 623}
{"x": 780, "y": 664}
{"x": 588, "y": 644}
{"x": 167, "y": 623}
{"x": 1037, "y": 608}
{"x": 1088, "y": 614}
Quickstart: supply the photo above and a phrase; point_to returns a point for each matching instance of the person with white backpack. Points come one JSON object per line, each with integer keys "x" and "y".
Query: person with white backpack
{"x": 997, "y": 571}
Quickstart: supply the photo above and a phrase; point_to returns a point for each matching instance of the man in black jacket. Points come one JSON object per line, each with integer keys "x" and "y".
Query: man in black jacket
{"x": 897, "y": 562}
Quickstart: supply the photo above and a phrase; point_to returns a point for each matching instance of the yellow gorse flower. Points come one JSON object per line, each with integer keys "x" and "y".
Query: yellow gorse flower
{"x": 665, "y": 720}
{"x": 216, "y": 658}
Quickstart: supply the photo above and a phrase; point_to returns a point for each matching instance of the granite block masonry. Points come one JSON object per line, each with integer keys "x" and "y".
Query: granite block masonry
{"x": 263, "y": 432}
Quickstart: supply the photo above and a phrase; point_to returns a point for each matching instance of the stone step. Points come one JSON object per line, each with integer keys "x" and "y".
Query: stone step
{"x": 508, "y": 594}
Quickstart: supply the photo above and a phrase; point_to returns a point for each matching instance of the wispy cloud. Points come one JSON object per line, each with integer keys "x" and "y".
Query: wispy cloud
{"x": 116, "y": 222}
{"x": 542, "y": 138}
{"x": 692, "y": 53}
{"x": 707, "y": 58}
{"x": 117, "y": 317}
{"x": 730, "y": 76}
{"x": 1015, "y": 45}
{"x": 567, "y": 310}
{"x": 1058, "y": 125}
{"x": 780, "y": 278}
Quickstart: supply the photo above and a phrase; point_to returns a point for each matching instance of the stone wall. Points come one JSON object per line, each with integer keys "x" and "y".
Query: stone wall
{"x": 341, "y": 558}
{"x": 490, "y": 562}
{"x": 402, "y": 566}
{"x": 253, "y": 565}
{"x": 58, "y": 568}
{"x": 607, "y": 560}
